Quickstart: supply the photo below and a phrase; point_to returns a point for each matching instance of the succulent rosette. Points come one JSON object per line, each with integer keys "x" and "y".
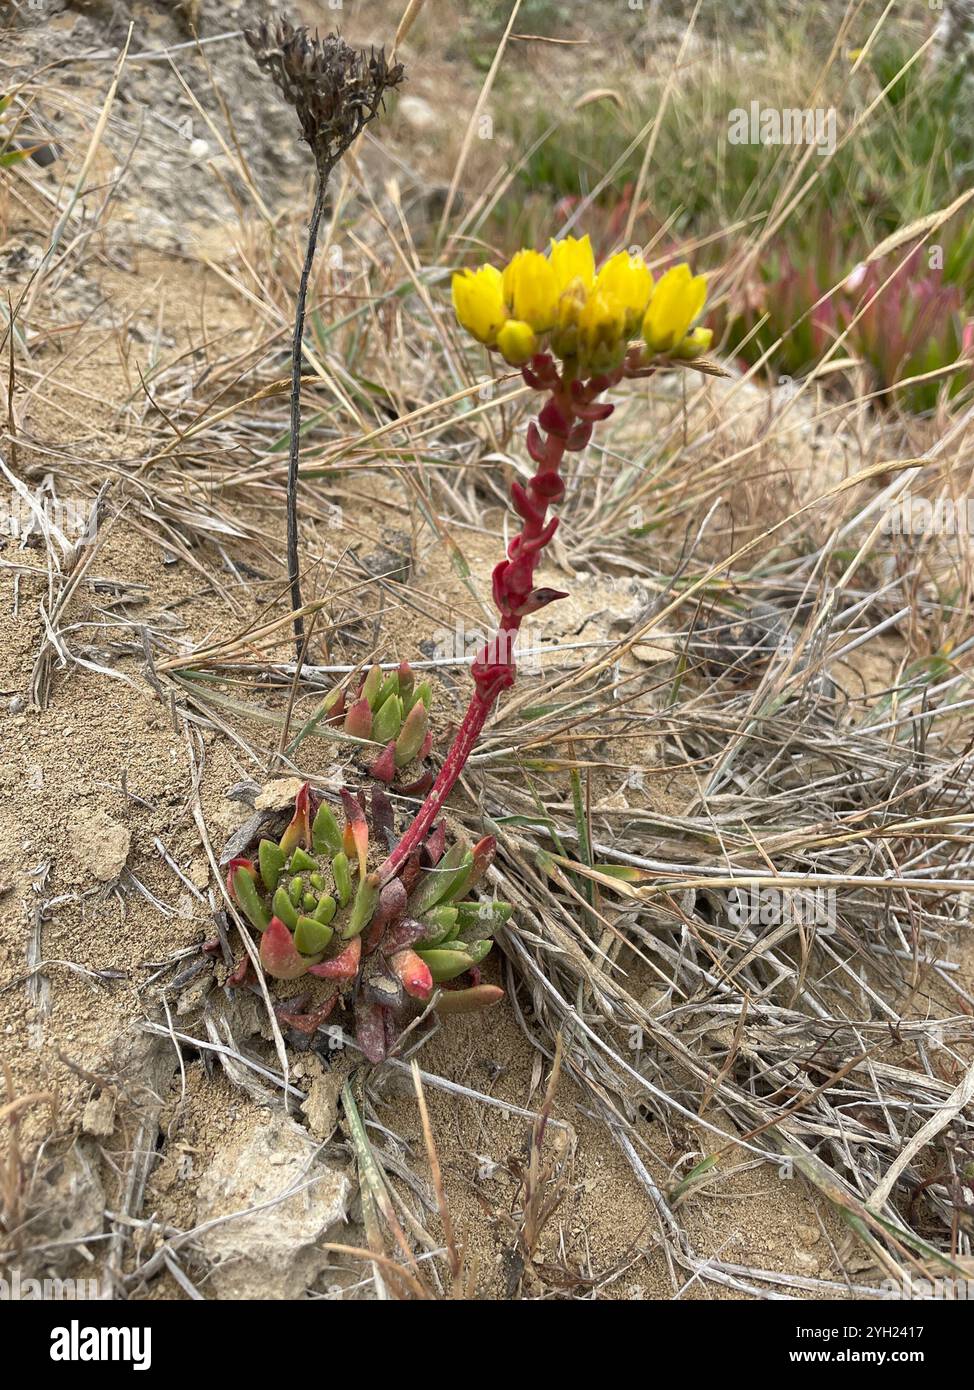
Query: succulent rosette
{"x": 380, "y": 942}
{"x": 392, "y": 709}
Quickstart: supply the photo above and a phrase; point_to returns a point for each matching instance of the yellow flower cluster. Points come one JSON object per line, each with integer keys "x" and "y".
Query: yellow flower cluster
{"x": 588, "y": 317}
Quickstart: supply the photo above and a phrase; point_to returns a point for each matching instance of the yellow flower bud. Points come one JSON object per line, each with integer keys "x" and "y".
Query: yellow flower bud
{"x": 677, "y": 300}
{"x": 478, "y": 300}
{"x": 629, "y": 281}
{"x": 530, "y": 290}
{"x": 572, "y": 258}
{"x": 695, "y": 344}
{"x": 517, "y": 342}
{"x": 571, "y": 305}
{"x": 601, "y": 331}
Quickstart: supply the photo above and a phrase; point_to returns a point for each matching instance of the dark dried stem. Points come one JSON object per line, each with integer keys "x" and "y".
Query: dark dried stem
{"x": 294, "y": 450}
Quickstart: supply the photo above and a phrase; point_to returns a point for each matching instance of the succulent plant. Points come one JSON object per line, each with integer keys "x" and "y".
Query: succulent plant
{"x": 392, "y": 709}
{"x": 322, "y": 911}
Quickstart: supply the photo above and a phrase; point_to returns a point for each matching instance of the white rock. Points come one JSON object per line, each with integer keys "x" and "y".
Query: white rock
{"x": 274, "y": 1252}
{"x": 278, "y": 795}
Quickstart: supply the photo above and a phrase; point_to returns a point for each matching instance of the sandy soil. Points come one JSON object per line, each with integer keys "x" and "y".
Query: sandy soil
{"x": 108, "y": 887}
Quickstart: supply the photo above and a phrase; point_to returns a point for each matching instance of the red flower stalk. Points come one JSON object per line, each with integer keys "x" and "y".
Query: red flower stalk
{"x": 564, "y": 425}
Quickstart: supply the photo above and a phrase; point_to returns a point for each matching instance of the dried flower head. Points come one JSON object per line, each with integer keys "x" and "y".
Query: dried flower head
{"x": 335, "y": 89}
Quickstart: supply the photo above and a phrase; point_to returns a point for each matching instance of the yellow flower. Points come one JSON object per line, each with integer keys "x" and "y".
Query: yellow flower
{"x": 601, "y": 332}
{"x": 571, "y": 305}
{"x": 629, "y": 282}
{"x": 677, "y": 300}
{"x": 531, "y": 290}
{"x": 695, "y": 344}
{"x": 517, "y": 342}
{"x": 572, "y": 258}
{"x": 478, "y": 299}
{"x": 558, "y": 304}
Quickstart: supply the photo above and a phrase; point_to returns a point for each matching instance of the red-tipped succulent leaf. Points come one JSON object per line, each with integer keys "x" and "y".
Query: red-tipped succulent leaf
{"x": 341, "y": 967}
{"x": 278, "y": 954}
{"x": 356, "y": 835}
{"x": 241, "y": 974}
{"x": 435, "y": 845}
{"x": 468, "y": 1001}
{"x": 401, "y": 934}
{"x": 232, "y": 867}
{"x": 358, "y": 719}
{"x": 384, "y": 767}
{"x": 483, "y": 856}
{"x": 390, "y": 907}
{"x": 413, "y": 973}
{"x": 299, "y": 831}
{"x": 422, "y": 784}
{"x": 412, "y": 734}
{"x": 292, "y": 1013}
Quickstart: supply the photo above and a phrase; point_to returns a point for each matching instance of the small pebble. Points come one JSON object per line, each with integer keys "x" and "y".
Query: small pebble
{"x": 17, "y": 704}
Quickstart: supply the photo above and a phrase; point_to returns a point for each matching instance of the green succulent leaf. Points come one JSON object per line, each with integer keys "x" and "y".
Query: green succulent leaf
{"x": 372, "y": 686}
{"x": 284, "y": 908}
{"x": 439, "y": 921}
{"x": 411, "y": 736}
{"x": 326, "y": 909}
{"x": 390, "y": 686}
{"x": 439, "y": 884}
{"x": 271, "y": 862}
{"x": 325, "y": 834}
{"x": 343, "y": 877}
{"x": 446, "y": 964}
{"x": 477, "y": 950}
{"x": 485, "y": 914}
{"x": 311, "y": 937}
{"x": 388, "y": 720}
{"x": 301, "y": 862}
{"x": 458, "y": 885}
{"x": 362, "y": 909}
{"x": 245, "y": 891}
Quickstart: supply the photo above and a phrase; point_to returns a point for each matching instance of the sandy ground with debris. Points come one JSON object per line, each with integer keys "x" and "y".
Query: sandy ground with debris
{"x": 109, "y": 888}
{"x": 100, "y": 930}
